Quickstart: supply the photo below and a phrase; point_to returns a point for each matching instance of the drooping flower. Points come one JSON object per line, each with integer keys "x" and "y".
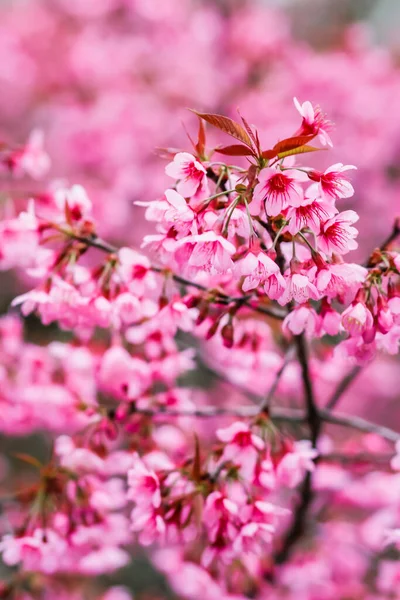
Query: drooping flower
{"x": 302, "y": 318}
{"x": 256, "y": 269}
{"x": 357, "y": 319}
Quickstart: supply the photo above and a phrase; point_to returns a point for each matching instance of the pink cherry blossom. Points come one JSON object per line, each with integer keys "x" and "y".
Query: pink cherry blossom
{"x": 207, "y": 251}
{"x": 298, "y": 288}
{"x": 143, "y": 485}
{"x": 32, "y": 159}
{"x": 314, "y": 122}
{"x": 276, "y": 191}
{"x": 302, "y": 318}
{"x": 256, "y": 269}
{"x": 310, "y": 214}
{"x": 242, "y": 447}
{"x": 191, "y": 174}
{"x": 171, "y": 211}
{"x": 331, "y": 184}
{"x": 357, "y": 319}
{"x": 293, "y": 466}
{"x": 337, "y": 234}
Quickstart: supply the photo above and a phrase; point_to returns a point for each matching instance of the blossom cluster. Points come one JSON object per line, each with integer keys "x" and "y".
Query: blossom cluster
{"x": 246, "y": 275}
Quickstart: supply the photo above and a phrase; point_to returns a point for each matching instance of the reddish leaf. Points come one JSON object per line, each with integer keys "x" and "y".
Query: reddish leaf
{"x": 201, "y": 139}
{"x": 292, "y": 142}
{"x": 250, "y": 132}
{"x": 227, "y": 125}
{"x": 30, "y": 460}
{"x": 235, "y": 150}
{"x": 299, "y": 150}
{"x": 268, "y": 154}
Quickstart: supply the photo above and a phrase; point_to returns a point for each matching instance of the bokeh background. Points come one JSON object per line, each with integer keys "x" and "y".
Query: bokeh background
{"x": 109, "y": 81}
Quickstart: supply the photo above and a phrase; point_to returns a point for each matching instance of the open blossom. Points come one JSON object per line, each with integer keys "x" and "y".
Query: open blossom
{"x": 205, "y": 251}
{"x": 310, "y": 214}
{"x": 276, "y": 190}
{"x": 171, "y": 211}
{"x": 143, "y": 485}
{"x": 19, "y": 240}
{"x": 337, "y": 234}
{"x": 331, "y": 184}
{"x": 314, "y": 122}
{"x": 32, "y": 159}
{"x": 221, "y": 519}
{"x": 298, "y": 288}
{"x": 190, "y": 173}
{"x": 256, "y": 269}
{"x": 77, "y": 200}
{"x": 339, "y": 279}
{"x": 294, "y": 464}
{"x": 302, "y": 318}
{"x": 357, "y": 319}
{"x": 242, "y": 447}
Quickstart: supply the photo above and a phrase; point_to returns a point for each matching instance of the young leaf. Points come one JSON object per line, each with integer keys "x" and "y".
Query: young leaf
{"x": 268, "y": 154}
{"x": 201, "y": 139}
{"x": 292, "y": 142}
{"x": 250, "y": 132}
{"x": 299, "y": 150}
{"x": 227, "y": 125}
{"x": 30, "y": 460}
{"x": 235, "y": 150}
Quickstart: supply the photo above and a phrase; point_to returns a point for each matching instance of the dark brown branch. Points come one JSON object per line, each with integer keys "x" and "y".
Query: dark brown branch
{"x": 266, "y": 403}
{"x": 342, "y": 387}
{"x": 220, "y": 297}
{"x": 314, "y": 422}
{"x": 279, "y": 415}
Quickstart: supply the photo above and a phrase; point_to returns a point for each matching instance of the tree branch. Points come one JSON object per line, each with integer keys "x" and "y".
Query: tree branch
{"x": 221, "y": 297}
{"x": 342, "y": 386}
{"x": 279, "y": 415}
{"x": 314, "y": 422}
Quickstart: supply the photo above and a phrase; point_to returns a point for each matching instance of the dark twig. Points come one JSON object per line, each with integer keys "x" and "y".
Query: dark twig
{"x": 342, "y": 386}
{"x": 314, "y": 422}
{"x": 279, "y": 415}
{"x": 220, "y": 297}
{"x": 266, "y": 403}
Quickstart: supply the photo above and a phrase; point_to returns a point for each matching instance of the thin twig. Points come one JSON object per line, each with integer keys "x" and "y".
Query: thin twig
{"x": 279, "y": 415}
{"x": 220, "y": 298}
{"x": 314, "y": 422}
{"x": 266, "y": 403}
{"x": 342, "y": 386}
